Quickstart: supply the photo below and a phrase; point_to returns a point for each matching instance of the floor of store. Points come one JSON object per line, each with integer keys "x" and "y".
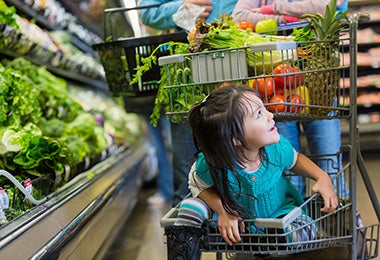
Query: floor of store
{"x": 141, "y": 237}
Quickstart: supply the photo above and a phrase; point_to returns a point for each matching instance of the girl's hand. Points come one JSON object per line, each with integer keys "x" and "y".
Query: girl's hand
{"x": 324, "y": 186}
{"x": 228, "y": 226}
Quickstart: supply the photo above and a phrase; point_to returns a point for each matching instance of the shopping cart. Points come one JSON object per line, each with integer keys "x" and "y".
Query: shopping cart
{"x": 121, "y": 57}
{"x": 316, "y": 81}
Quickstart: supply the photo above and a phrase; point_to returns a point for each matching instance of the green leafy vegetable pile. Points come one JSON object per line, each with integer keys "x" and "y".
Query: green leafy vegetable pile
{"x": 44, "y": 129}
{"x": 38, "y": 109}
{"x": 6, "y": 15}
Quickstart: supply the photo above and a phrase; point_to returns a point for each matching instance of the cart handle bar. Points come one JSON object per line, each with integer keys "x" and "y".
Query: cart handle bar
{"x": 126, "y": 9}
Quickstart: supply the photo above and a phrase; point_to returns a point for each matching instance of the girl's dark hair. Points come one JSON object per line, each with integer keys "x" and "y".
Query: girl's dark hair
{"x": 218, "y": 124}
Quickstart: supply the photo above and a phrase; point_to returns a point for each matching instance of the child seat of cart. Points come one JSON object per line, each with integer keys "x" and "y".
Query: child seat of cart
{"x": 333, "y": 230}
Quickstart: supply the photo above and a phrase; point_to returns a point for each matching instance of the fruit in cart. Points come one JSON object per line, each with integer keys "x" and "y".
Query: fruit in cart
{"x": 297, "y": 79}
{"x": 282, "y": 77}
{"x": 288, "y": 77}
{"x": 267, "y": 26}
{"x": 303, "y": 92}
{"x": 321, "y": 57}
{"x": 264, "y": 85}
{"x": 244, "y": 25}
{"x": 278, "y": 102}
{"x": 294, "y": 101}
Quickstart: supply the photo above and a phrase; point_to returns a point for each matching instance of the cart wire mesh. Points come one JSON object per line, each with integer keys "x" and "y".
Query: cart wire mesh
{"x": 121, "y": 57}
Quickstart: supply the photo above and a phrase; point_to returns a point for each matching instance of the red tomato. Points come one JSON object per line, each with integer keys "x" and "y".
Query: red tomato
{"x": 278, "y": 108}
{"x": 283, "y": 80}
{"x": 289, "y": 80}
{"x": 294, "y": 99}
{"x": 265, "y": 86}
{"x": 279, "y": 90}
{"x": 297, "y": 79}
{"x": 244, "y": 25}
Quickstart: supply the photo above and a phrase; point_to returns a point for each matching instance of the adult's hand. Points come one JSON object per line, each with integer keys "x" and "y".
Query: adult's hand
{"x": 207, "y": 4}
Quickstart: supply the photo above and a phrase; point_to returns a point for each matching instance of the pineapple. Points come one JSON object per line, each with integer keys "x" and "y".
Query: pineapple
{"x": 321, "y": 57}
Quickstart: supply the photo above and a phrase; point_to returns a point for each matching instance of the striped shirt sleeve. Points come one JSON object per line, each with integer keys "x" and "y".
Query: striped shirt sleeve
{"x": 280, "y": 9}
{"x": 242, "y": 12}
{"x": 298, "y": 8}
{"x": 196, "y": 184}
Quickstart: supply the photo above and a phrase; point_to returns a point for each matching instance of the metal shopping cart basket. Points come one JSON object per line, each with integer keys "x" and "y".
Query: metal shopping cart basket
{"x": 315, "y": 79}
{"x": 191, "y": 77}
{"x": 121, "y": 57}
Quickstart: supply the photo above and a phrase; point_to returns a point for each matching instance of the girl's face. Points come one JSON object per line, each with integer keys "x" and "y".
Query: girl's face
{"x": 259, "y": 126}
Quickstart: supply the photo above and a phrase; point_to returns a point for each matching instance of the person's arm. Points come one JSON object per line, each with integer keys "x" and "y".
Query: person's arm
{"x": 296, "y": 8}
{"x": 161, "y": 17}
{"x": 228, "y": 225}
{"x": 243, "y": 12}
{"x": 280, "y": 10}
{"x": 249, "y": 10}
{"x": 323, "y": 184}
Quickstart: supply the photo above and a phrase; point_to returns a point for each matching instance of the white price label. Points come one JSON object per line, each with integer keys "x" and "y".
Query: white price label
{"x": 28, "y": 186}
{"x": 4, "y": 200}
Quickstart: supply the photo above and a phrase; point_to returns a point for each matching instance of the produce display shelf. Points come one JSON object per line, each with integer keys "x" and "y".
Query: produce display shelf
{"x": 71, "y": 222}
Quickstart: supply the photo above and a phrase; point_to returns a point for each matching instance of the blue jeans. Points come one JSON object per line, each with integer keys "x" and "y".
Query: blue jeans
{"x": 158, "y": 135}
{"x": 183, "y": 157}
{"x": 323, "y": 137}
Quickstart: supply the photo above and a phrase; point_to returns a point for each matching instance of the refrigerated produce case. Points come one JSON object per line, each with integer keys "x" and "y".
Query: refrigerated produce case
{"x": 82, "y": 217}
{"x": 79, "y": 218}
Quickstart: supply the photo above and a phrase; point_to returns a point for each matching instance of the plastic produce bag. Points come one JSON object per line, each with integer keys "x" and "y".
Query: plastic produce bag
{"x": 186, "y": 15}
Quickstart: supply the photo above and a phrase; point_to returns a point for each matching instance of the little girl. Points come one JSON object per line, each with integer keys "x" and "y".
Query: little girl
{"x": 238, "y": 172}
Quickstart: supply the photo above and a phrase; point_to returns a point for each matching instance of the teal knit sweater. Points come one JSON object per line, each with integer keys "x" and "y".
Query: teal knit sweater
{"x": 265, "y": 193}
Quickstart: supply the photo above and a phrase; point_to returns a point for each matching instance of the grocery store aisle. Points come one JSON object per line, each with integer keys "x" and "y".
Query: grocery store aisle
{"x": 141, "y": 237}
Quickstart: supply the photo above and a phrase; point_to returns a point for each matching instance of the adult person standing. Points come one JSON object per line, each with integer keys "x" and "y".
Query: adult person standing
{"x": 182, "y": 140}
{"x": 160, "y": 138}
{"x": 159, "y": 135}
{"x": 323, "y": 136}
{"x": 161, "y": 17}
